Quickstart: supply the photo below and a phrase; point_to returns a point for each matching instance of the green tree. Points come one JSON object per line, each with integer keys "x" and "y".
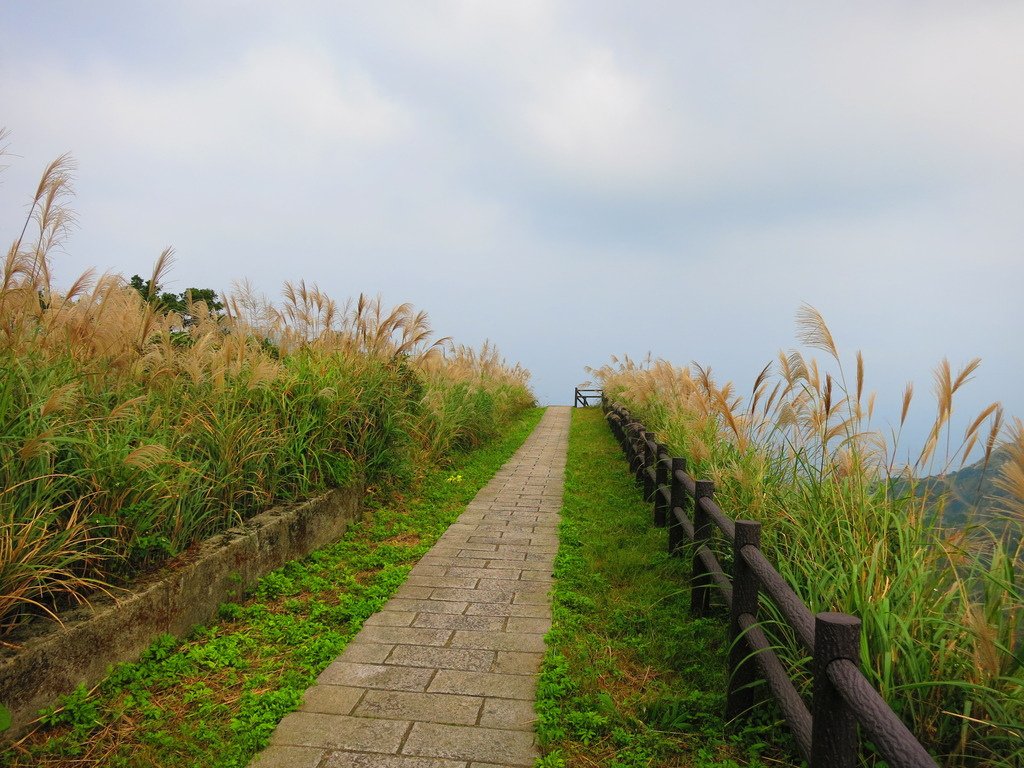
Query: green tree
{"x": 176, "y": 302}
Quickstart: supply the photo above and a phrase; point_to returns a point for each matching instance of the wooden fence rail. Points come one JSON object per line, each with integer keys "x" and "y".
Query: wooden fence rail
{"x": 841, "y": 698}
{"x": 584, "y": 396}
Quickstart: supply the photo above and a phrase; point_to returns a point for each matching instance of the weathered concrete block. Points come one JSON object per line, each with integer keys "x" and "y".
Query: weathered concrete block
{"x": 423, "y": 707}
{"x": 469, "y": 743}
{"x": 47, "y": 660}
{"x": 314, "y": 729}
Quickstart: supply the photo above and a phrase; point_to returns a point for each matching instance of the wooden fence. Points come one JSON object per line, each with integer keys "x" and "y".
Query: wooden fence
{"x": 842, "y": 698}
{"x": 584, "y": 396}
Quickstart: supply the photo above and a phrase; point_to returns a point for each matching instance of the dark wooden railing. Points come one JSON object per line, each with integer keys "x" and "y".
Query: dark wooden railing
{"x": 584, "y": 396}
{"x": 841, "y": 697}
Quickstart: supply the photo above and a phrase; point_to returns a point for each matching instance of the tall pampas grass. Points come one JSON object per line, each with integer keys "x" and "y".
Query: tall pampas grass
{"x": 853, "y": 531}
{"x": 130, "y": 432}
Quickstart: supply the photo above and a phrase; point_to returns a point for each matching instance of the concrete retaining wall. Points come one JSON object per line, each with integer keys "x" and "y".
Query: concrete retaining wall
{"x": 50, "y": 660}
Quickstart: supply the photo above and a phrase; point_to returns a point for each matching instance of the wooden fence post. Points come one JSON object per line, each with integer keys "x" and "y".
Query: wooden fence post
{"x": 640, "y": 446}
{"x": 742, "y": 666}
{"x": 700, "y": 579}
{"x": 834, "y": 742}
{"x": 650, "y": 457}
{"x": 635, "y": 460}
{"x": 660, "y": 481}
{"x": 679, "y": 499}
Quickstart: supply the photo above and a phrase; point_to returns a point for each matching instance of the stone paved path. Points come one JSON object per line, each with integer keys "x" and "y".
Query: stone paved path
{"x": 444, "y": 675}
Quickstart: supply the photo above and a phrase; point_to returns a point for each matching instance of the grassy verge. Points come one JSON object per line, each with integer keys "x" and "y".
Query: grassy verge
{"x": 214, "y": 698}
{"x": 851, "y": 528}
{"x": 628, "y": 679}
{"x": 135, "y": 422}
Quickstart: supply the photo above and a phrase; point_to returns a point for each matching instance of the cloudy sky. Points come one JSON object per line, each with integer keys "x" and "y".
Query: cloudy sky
{"x": 571, "y": 180}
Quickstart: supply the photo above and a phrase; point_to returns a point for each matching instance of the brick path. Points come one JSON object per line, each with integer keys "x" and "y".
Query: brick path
{"x": 444, "y": 675}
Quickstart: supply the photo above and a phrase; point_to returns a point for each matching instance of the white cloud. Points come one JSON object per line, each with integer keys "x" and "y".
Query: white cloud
{"x": 482, "y": 158}
{"x": 275, "y": 105}
{"x": 598, "y": 123}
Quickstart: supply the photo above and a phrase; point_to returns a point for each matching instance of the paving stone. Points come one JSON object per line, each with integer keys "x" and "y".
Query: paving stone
{"x": 466, "y": 561}
{"x": 405, "y": 635}
{"x": 365, "y": 653}
{"x": 411, "y": 592}
{"x": 331, "y": 699}
{"x": 474, "y": 743}
{"x": 514, "y": 549}
{"x": 456, "y": 534}
{"x": 497, "y": 565}
{"x": 532, "y": 596}
{"x": 538, "y": 558}
{"x": 512, "y": 714}
{"x": 522, "y": 624}
{"x": 540, "y": 586}
{"x": 514, "y": 557}
{"x": 472, "y": 659}
{"x": 497, "y": 641}
{"x": 485, "y": 573}
{"x": 364, "y": 760}
{"x": 425, "y": 606}
{"x": 390, "y": 619}
{"x": 421, "y": 707}
{"x": 507, "y": 609}
{"x": 312, "y": 729}
{"x": 502, "y": 686}
{"x": 427, "y": 570}
{"x": 517, "y": 662}
{"x": 457, "y": 582}
{"x": 376, "y": 676}
{"x": 543, "y": 549}
{"x": 288, "y": 757}
{"x": 498, "y": 539}
{"x": 455, "y": 546}
{"x": 509, "y": 585}
{"x": 458, "y": 621}
{"x": 472, "y": 595}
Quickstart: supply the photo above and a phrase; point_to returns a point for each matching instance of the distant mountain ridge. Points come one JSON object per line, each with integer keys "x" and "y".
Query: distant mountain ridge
{"x": 968, "y": 495}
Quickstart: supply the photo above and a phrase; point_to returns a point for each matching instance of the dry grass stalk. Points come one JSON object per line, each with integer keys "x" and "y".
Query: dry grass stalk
{"x": 805, "y": 460}
{"x": 172, "y": 428}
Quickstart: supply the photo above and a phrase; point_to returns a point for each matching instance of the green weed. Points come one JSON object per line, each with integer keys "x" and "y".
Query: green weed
{"x": 128, "y": 432}
{"x": 942, "y": 608}
{"x": 214, "y": 698}
{"x": 628, "y": 679}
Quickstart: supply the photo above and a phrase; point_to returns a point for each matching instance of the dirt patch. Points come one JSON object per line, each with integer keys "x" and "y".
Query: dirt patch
{"x": 365, "y": 577}
{"x": 403, "y": 540}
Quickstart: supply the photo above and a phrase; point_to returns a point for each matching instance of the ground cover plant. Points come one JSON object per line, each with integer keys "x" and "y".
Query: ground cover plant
{"x": 130, "y": 431}
{"x": 628, "y": 679}
{"x": 942, "y": 608}
{"x": 214, "y": 698}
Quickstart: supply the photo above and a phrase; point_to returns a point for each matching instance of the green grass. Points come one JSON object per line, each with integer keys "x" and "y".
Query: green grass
{"x": 214, "y": 698}
{"x": 942, "y": 609}
{"x": 129, "y": 432}
{"x": 628, "y": 679}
